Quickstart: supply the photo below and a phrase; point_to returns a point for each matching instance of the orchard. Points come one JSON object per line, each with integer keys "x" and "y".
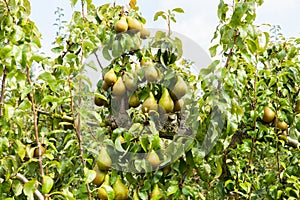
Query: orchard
{"x": 148, "y": 128}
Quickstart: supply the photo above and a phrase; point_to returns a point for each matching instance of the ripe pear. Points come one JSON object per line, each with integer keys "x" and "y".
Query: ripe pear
{"x": 145, "y": 33}
{"x": 130, "y": 82}
{"x": 36, "y": 151}
{"x": 151, "y": 73}
{"x": 269, "y": 115}
{"x": 105, "y": 86}
{"x": 180, "y": 88}
{"x": 281, "y": 125}
{"x": 155, "y": 192}
{"x": 99, "y": 101}
{"x": 149, "y": 104}
{"x": 178, "y": 105}
{"x": 119, "y": 88}
{"x": 121, "y": 25}
{"x": 120, "y": 190}
{"x": 102, "y": 193}
{"x": 134, "y": 24}
{"x": 100, "y": 176}
{"x": 104, "y": 160}
{"x": 166, "y": 101}
{"x": 153, "y": 158}
{"x": 134, "y": 100}
{"x": 110, "y": 77}
{"x": 297, "y": 107}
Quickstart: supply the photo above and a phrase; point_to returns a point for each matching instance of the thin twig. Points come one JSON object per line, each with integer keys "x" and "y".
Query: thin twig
{"x": 24, "y": 180}
{"x": 97, "y": 58}
{"x": 231, "y": 50}
{"x": 35, "y": 124}
{"x": 2, "y": 90}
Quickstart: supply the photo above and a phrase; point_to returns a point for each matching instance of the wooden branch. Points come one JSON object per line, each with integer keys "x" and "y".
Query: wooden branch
{"x": 2, "y": 90}
{"x": 231, "y": 50}
{"x": 24, "y": 180}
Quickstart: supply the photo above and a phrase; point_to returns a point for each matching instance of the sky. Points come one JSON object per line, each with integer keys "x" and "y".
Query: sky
{"x": 198, "y": 22}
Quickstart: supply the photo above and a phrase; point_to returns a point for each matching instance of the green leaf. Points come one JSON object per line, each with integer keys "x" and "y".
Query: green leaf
{"x": 73, "y": 2}
{"x": 47, "y": 185}
{"x": 48, "y": 78}
{"x": 89, "y": 175}
{"x": 17, "y": 187}
{"x": 29, "y": 189}
{"x": 159, "y": 14}
{"x": 213, "y": 50}
{"x": 179, "y": 10}
{"x": 5, "y": 51}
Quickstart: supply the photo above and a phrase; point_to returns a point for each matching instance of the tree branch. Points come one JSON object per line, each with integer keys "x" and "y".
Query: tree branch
{"x": 24, "y": 180}
{"x": 2, "y": 90}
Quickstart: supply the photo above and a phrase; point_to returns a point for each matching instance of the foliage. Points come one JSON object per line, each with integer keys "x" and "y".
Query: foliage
{"x": 47, "y": 151}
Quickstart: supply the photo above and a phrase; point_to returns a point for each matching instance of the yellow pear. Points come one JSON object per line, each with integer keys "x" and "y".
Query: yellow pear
{"x": 269, "y": 115}
{"x": 134, "y": 100}
{"x": 130, "y": 82}
{"x": 104, "y": 160}
{"x": 149, "y": 104}
{"x": 119, "y": 88}
{"x": 153, "y": 158}
{"x": 102, "y": 190}
{"x": 180, "y": 88}
{"x": 297, "y": 107}
{"x": 110, "y": 77}
{"x": 281, "y": 125}
{"x": 166, "y": 101}
{"x": 105, "y": 86}
{"x": 100, "y": 176}
{"x": 121, "y": 25}
{"x": 134, "y": 25}
{"x": 145, "y": 33}
{"x": 151, "y": 73}
{"x": 178, "y": 105}
{"x": 135, "y": 196}
{"x": 120, "y": 190}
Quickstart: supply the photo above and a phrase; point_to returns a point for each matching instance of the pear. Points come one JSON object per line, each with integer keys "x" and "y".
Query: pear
{"x": 269, "y": 115}
{"x": 166, "y": 101}
{"x": 180, "y": 88}
{"x": 155, "y": 192}
{"x": 121, "y": 25}
{"x": 145, "y": 33}
{"x": 297, "y": 107}
{"x": 99, "y": 101}
{"x": 151, "y": 73}
{"x": 100, "y": 175}
{"x": 281, "y": 125}
{"x": 102, "y": 191}
{"x": 178, "y": 105}
{"x": 104, "y": 160}
{"x": 105, "y": 86}
{"x": 36, "y": 151}
{"x": 134, "y": 100}
{"x": 134, "y": 25}
{"x": 153, "y": 158}
{"x": 135, "y": 196}
{"x": 120, "y": 190}
{"x": 149, "y": 104}
{"x": 110, "y": 77}
{"x": 119, "y": 88}
{"x": 130, "y": 82}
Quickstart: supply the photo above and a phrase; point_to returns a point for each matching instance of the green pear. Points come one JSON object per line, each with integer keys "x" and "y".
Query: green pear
{"x": 151, "y": 73}
{"x": 100, "y": 176}
{"x": 180, "y": 88}
{"x": 121, "y": 25}
{"x": 105, "y": 86}
{"x": 119, "y": 88}
{"x": 153, "y": 158}
{"x": 110, "y": 77}
{"x": 104, "y": 160}
{"x": 145, "y": 33}
{"x": 120, "y": 190}
{"x": 149, "y": 104}
{"x": 297, "y": 107}
{"x": 166, "y": 101}
{"x": 102, "y": 190}
{"x": 269, "y": 114}
{"x": 130, "y": 82}
{"x": 155, "y": 192}
{"x": 134, "y": 100}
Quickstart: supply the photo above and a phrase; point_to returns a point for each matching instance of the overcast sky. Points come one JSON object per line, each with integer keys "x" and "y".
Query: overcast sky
{"x": 198, "y": 22}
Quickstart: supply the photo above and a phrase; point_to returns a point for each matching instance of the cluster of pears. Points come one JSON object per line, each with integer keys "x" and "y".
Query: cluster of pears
{"x": 170, "y": 101}
{"x": 101, "y": 180}
{"x": 269, "y": 116}
{"x": 127, "y": 23}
